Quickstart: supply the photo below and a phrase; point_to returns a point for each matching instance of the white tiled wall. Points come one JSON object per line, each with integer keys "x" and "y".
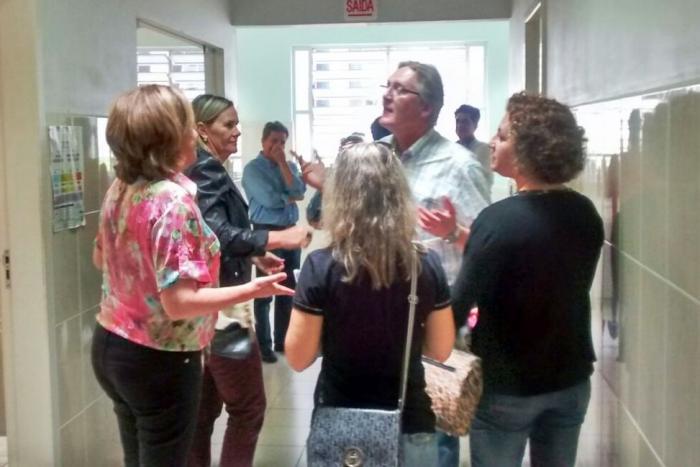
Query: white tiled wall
{"x": 87, "y": 425}
{"x": 650, "y": 296}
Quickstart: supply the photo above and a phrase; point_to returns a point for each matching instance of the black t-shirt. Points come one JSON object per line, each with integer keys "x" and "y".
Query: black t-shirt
{"x": 529, "y": 265}
{"x": 364, "y": 334}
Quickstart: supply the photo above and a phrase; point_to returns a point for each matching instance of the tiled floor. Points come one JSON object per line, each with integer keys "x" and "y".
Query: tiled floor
{"x": 289, "y": 403}
{"x": 290, "y": 400}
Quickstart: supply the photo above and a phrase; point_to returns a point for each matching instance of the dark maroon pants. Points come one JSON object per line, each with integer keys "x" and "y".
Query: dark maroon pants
{"x": 237, "y": 384}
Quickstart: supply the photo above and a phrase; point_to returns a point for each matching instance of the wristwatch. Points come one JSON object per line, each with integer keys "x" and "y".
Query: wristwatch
{"x": 454, "y": 235}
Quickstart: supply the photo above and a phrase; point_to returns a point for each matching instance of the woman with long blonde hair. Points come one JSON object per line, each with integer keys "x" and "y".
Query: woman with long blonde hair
{"x": 351, "y": 298}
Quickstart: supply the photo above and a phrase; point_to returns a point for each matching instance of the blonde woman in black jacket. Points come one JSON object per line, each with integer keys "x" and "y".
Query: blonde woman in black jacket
{"x": 237, "y": 383}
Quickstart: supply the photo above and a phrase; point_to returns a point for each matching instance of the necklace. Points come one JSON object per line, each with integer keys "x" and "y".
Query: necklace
{"x": 543, "y": 191}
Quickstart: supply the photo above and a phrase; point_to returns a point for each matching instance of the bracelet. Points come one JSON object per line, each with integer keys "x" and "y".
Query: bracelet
{"x": 453, "y": 236}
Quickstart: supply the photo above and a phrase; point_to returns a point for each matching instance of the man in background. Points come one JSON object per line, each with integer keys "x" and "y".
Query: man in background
{"x": 466, "y": 122}
{"x": 273, "y": 187}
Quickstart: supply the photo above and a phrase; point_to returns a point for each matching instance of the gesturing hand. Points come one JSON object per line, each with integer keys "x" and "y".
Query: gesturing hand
{"x": 438, "y": 222}
{"x": 270, "y": 263}
{"x": 269, "y": 285}
{"x": 314, "y": 174}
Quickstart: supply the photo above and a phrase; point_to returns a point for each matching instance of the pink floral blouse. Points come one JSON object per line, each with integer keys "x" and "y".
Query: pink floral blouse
{"x": 152, "y": 234}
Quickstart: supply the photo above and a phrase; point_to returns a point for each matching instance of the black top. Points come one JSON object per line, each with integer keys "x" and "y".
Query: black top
{"x": 364, "y": 336}
{"x": 528, "y": 266}
{"x": 224, "y": 209}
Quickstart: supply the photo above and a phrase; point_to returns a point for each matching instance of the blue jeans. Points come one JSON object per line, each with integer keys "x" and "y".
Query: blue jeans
{"x": 551, "y": 421}
{"x": 448, "y": 450}
{"x": 283, "y": 305}
{"x": 419, "y": 449}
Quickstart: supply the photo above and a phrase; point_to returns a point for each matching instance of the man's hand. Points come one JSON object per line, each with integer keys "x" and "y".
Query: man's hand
{"x": 278, "y": 156}
{"x": 269, "y": 264}
{"x": 438, "y": 222}
{"x": 314, "y": 174}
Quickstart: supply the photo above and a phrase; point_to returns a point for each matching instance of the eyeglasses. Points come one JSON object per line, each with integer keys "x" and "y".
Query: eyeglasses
{"x": 397, "y": 90}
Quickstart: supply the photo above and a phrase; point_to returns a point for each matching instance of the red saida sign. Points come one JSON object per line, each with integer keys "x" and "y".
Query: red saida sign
{"x": 360, "y": 10}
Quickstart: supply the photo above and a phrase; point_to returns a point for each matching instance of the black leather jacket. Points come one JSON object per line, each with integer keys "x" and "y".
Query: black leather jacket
{"x": 226, "y": 212}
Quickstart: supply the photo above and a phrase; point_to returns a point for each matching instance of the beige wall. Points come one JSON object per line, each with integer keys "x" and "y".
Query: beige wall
{"x": 598, "y": 49}
{"x": 649, "y": 285}
{"x": 76, "y": 56}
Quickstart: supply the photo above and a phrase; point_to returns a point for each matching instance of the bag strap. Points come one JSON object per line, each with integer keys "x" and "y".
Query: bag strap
{"x": 412, "y": 301}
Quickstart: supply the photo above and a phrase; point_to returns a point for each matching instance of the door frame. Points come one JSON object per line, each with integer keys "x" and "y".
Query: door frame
{"x": 535, "y": 49}
{"x": 5, "y": 291}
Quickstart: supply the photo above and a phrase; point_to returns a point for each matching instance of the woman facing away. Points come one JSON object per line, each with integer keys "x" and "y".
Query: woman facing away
{"x": 237, "y": 383}
{"x": 160, "y": 266}
{"x": 528, "y": 266}
{"x": 351, "y": 299}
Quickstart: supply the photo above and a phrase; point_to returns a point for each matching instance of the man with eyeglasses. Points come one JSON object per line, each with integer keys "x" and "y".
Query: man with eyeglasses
{"x": 447, "y": 181}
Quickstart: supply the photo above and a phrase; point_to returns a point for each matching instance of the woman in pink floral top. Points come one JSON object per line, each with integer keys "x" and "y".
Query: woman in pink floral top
{"x": 160, "y": 264}
{"x": 170, "y": 242}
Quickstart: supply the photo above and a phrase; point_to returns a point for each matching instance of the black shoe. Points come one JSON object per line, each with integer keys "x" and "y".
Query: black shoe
{"x": 268, "y": 356}
{"x": 279, "y": 348}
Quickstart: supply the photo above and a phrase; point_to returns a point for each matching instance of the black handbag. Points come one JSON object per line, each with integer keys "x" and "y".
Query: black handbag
{"x": 234, "y": 341}
{"x": 355, "y": 437}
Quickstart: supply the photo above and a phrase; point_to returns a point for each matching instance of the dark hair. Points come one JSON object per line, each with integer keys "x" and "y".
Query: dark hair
{"x": 429, "y": 86}
{"x": 352, "y": 138}
{"x": 146, "y": 129}
{"x": 549, "y": 144}
{"x": 275, "y": 126}
{"x": 378, "y": 131}
{"x": 472, "y": 112}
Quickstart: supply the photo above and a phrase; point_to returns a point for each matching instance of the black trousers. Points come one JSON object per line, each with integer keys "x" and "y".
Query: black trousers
{"x": 155, "y": 395}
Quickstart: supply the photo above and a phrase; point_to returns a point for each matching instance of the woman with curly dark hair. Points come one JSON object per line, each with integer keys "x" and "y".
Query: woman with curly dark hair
{"x": 528, "y": 267}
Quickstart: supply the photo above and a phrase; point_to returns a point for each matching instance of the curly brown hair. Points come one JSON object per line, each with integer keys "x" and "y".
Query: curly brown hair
{"x": 549, "y": 144}
{"x": 146, "y": 129}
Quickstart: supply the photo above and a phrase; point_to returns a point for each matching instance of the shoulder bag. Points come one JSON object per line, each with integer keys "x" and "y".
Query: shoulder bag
{"x": 350, "y": 437}
{"x": 454, "y": 388}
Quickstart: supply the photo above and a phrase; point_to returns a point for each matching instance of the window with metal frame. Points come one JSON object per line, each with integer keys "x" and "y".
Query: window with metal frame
{"x": 337, "y": 89}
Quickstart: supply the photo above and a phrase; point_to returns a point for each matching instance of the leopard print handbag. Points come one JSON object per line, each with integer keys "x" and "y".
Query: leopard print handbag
{"x": 454, "y": 388}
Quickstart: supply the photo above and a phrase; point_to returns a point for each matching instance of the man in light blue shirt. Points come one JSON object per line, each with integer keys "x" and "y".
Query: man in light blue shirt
{"x": 273, "y": 187}
{"x": 447, "y": 182}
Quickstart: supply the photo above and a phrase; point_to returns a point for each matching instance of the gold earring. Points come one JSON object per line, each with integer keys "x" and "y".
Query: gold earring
{"x": 205, "y": 139}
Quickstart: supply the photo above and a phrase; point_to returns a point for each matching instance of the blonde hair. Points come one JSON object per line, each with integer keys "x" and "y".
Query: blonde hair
{"x": 145, "y": 130}
{"x": 370, "y": 215}
{"x": 207, "y": 108}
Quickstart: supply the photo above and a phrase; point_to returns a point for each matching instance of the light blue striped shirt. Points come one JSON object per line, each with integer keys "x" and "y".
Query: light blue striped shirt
{"x": 437, "y": 167}
{"x": 271, "y": 200}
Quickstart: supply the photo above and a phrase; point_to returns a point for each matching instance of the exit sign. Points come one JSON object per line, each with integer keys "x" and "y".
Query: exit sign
{"x": 360, "y": 10}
